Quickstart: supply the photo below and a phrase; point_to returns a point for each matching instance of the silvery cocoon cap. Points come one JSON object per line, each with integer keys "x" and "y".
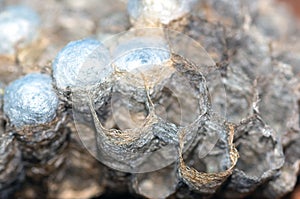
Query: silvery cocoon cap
{"x": 141, "y": 59}
{"x": 36, "y": 118}
{"x": 83, "y": 66}
{"x": 159, "y": 11}
{"x": 141, "y": 52}
{"x": 30, "y": 100}
{"x": 19, "y": 27}
{"x": 81, "y": 63}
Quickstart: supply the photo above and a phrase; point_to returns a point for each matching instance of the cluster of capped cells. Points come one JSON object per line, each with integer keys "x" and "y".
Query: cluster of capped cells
{"x": 184, "y": 103}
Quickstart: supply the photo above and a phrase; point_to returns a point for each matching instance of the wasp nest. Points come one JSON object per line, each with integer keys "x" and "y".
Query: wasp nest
{"x": 179, "y": 99}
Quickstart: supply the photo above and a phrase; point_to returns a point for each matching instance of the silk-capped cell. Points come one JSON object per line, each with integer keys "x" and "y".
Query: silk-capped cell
{"x": 81, "y": 63}
{"x": 31, "y": 100}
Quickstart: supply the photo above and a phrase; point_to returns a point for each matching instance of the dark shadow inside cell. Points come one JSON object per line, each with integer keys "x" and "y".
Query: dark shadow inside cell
{"x": 210, "y": 151}
{"x": 167, "y": 106}
{"x": 258, "y": 149}
{"x": 125, "y": 112}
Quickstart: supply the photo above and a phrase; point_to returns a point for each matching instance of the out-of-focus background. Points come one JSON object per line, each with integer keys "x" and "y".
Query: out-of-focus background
{"x": 294, "y": 6}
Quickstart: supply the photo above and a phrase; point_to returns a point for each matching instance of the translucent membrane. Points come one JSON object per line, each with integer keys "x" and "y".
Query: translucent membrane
{"x": 159, "y": 85}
